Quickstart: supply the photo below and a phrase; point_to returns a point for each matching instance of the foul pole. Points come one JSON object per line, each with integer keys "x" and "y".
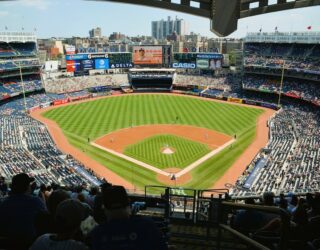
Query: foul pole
{"x": 23, "y": 91}
{"x": 281, "y": 83}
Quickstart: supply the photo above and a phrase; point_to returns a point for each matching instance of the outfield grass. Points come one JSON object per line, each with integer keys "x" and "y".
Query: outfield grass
{"x": 149, "y": 151}
{"x": 96, "y": 118}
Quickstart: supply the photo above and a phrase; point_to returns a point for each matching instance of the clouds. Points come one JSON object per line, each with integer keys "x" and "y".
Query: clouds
{"x": 4, "y": 13}
{"x": 36, "y": 4}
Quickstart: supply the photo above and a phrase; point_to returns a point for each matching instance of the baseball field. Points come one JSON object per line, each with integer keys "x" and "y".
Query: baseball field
{"x": 141, "y": 137}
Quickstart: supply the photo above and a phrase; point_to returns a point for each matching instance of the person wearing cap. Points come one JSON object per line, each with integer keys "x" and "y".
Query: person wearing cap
{"x": 68, "y": 217}
{"x": 44, "y": 221}
{"x": 121, "y": 230}
{"x": 19, "y": 210}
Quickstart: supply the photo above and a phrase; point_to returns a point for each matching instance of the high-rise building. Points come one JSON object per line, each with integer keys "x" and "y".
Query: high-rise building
{"x": 161, "y": 29}
{"x": 95, "y": 33}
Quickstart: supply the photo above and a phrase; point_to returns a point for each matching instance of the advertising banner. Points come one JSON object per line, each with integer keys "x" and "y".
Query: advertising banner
{"x": 73, "y": 66}
{"x": 77, "y": 57}
{"x": 316, "y": 102}
{"x": 250, "y": 102}
{"x": 51, "y": 66}
{"x": 87, "y": 64}
{"x": 215, "y": 64}
{"x": 147, "y": 55}
{"x": 200, "y": 60}
{"x": 70, "y": 49}
{"x": 202, "y": 63}
{"x": 121, "y": 65}
{"x": 101, "y": 63}
{"x": 210, "y": 56}
{"x": 184, "y": 65}
{"x": 236, "y": 100}
{"x": 120, "y": 60}
{"x": 96, "y": 56}
{"x": 269, "y": 105}
{"x": 59, "y": 102}
{"x": 45, "y": 105}
{"x": 292, "y": 94}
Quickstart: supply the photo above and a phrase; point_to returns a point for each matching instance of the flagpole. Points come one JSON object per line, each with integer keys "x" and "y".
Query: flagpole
{"x": 281, "y": 83}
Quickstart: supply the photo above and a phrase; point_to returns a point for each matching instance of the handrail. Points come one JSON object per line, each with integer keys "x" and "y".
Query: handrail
{"x": 285, "y": 219}
{"x": 244, "y": 237}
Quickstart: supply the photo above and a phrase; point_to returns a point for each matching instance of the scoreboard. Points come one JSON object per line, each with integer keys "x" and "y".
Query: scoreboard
{"x": 120, "y": 60}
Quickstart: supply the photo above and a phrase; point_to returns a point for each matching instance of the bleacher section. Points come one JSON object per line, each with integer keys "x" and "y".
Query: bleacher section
{"x": 296, "y": 88}
{"x": 17, "y": 49}
{"x": 73, "y": 84}
{"x": 297, "y": 57}
{"x": 15, "y": 59}
{"x": 291, "y": 160}
{"x": 26, "y": 146}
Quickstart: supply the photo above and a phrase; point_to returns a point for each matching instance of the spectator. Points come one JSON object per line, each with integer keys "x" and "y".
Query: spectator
{"x": 121, "y": 231}
{"x": 18, "y": 212}
{"x": 98, "y": 207}
{"x": 69, "y": 215}
{"x": 42, "y": 192}
{"x": 3, "y": 186}
{"x": 283, "y": 203}
{"x": 293, "y": 204}
{"x": 44, "y": 221}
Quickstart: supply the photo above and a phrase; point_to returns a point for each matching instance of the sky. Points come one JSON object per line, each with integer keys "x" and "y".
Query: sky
{"x": 67, "y": 18}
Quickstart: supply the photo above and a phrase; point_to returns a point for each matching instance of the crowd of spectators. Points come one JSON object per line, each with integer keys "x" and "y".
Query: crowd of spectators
{"x": 296, "y": 88}
{"x": 72, "y": 84}
{"x": 302, "y": 213}
{"x": 291, "y": 160}
{"x": 17, "y": 49}
{"x": 16, "y": 64}
{"x": 297, "y": 57}
{"x": 73, "y": 217}
{"x": 26, "y": 146}
{"x": 225, "y": 83}
{"x": 10, "y": 89}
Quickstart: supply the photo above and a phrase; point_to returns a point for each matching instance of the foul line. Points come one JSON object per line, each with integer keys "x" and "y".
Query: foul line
{"x": 140, "y": 163}
{"x": 159, "y": 171}
{"x": 203, "y": 159}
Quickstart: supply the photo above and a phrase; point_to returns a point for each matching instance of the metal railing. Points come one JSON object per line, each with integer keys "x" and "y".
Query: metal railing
{"x": 284, "y": 230}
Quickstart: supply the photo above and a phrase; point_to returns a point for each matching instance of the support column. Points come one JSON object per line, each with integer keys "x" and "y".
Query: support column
{"x": 224, "y": 16}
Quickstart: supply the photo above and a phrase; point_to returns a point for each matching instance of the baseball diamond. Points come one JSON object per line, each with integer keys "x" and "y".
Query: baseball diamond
{"x": 95, "y": 119}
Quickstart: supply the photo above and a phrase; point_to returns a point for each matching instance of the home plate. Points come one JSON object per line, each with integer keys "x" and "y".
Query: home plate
{"x": 167, "y": 151}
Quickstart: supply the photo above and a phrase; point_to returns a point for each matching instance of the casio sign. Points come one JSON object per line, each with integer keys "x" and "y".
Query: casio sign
{"x": 184, "y": 65}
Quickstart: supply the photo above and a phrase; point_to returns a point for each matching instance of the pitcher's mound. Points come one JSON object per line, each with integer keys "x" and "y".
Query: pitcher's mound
{"x": 167, "y": 151}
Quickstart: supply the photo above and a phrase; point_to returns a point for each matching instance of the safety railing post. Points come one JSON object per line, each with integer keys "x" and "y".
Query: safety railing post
{"x": 220, "y": 213}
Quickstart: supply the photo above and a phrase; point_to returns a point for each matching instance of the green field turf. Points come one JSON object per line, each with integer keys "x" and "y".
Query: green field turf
{"x": 96, "y": 118}
{"x": 149, "y": 151}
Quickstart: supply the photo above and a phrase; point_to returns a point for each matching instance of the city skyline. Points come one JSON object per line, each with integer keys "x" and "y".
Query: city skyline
{"x": 76, "y": 17}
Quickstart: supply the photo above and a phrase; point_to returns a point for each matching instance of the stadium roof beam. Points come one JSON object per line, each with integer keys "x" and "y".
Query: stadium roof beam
{"x": 224, "y": 14}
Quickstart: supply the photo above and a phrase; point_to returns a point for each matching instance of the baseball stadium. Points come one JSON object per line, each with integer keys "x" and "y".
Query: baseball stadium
{"x": 153, "y": 147}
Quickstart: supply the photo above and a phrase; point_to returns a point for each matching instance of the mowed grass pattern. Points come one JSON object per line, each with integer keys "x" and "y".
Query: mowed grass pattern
{"x": 149, "y": 151}
{"x": 96, "y": 118}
